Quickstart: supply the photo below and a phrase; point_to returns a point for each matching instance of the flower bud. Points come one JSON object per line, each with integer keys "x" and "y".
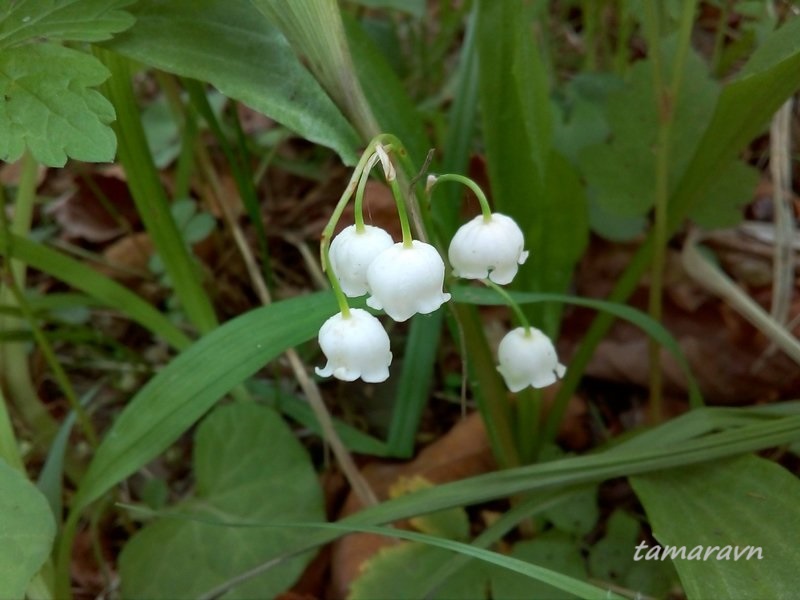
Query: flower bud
{"x": 355, "y": 346}
{"x": 491, "y": 248}
{"x": 405, "y": 281}
{"x": 528, "y": 358}
{"x": 350, "y": 254}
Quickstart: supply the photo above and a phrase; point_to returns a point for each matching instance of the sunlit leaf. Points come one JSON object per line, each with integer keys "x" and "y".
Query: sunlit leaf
{"x": 48, "y": 105}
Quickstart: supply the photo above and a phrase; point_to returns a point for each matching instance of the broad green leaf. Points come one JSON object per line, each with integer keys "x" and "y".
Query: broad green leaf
{"x": 552, "y": 550}
{"x": 724, "y": 508}
{"x": 243, "y": 56}
{"x": 744, "y": 108}
{"x": 612, "y": 556}
{"x": 47, "y": 106}
{"x": 247, "y": 466}
{"x": 622, "y": 170}
{"x": 405, "y": 568}
{"x": 723, "y": 204}
{"x": 577, "y": 514}
{"x": 27, "y": 530}
{"x": 186, "y": 388}
{"x": 64, "y": 20}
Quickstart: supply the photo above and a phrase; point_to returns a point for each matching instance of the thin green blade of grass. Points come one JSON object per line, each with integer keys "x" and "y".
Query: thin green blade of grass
{"x": 474, "y": 295}
{"x": 92, "y": 283}
{"x": 558, "y": 580}
{"x": 150, "y": 198}
{"x": 560, "y": 474}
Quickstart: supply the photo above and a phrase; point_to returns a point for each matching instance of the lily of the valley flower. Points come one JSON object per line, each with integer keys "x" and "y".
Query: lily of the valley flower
{"x": 356, "y": 346}
{"x": 352, "y": 251}
{"x": 404, "y": 280}
{"x": 527, "y": 357}
{"x": 492, "y": 248}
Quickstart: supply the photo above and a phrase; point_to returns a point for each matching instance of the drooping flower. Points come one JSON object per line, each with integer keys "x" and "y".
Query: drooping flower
{"x": 356, "y": 346}
{"x": 492, "y": 248}
{"x": 352, "y": 251}
{"x": 528, "y": 358}
{"x": 405, "y": 281}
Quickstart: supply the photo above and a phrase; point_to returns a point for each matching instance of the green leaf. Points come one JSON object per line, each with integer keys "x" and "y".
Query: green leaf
{"x": 552, "y": 550}
{"x": 722, "y": 205}
{"x": 27, "y": 530}
{"x": 247, "y": 466}
{"x": 611, "y": 558}
{"x": 186, "y": 388}
{"x": 47, "y": 106}
{"x": 739, "y": 504}
{"x": 622, "y": 171}
{"x": 405, "y": 568}
{"x": 244, "y": 57}
{"x": 577, "y": 514}
{"x": 64, "y": 20}
{"x": 744, "y": 108}
{"x": 413, "y": 7}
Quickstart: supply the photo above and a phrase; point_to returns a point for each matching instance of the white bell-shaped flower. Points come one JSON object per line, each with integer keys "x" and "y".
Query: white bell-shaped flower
{"x": 355, "y": 346}
{"x": 492, "y": 248}
{"x": 352, "y": 251}
{"x": 405, "y": 281}
{"x": 528, "y": 358}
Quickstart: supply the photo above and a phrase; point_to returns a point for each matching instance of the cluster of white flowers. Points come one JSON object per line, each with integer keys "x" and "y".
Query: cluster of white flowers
{"x": 407, "y": 278}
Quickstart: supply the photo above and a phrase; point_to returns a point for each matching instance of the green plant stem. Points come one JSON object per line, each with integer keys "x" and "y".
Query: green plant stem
{"x": 666, "y": 98}
{"x": 486, "y": 210}
{"x": 150, "y": 197}
{"x": 512, "y": 304}
{"x": 14, "y": 366}
{"x": 9, "y": 451}
{"x": 327, "y": 233}
{"x": 490, "y": 393}
{"x": 362, "y": 185}
{"x": 52, "y": 361}
{"x": 401, "y": 212}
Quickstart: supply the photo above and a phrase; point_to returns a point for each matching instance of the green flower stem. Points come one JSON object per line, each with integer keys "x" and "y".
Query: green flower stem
{"x": 327, "y": 233}
{"x": 529, "y": 401}
{"x": 485, "y": 208}
{"x": 14, "y": 365}
{"x": 401, "y": 212}
{"x": 523, "y": 321}
{"x": 362, "y": 184}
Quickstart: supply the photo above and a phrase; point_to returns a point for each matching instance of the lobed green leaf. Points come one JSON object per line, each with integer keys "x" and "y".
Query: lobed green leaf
{"x": 47, "y": 106}
{"x": 62, "y": 20}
